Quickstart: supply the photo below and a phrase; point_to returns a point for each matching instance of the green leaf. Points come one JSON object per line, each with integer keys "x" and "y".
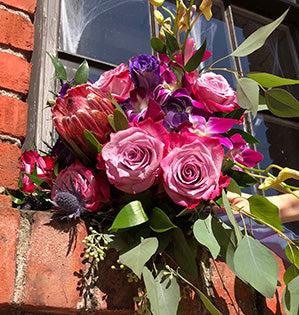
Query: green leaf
{"x": 179, "y": 250}
{"x": 292, "y": 252}
{"x": 290, "y": 298}
{"x": 158, "y": 45}
{"x": 234, "y": 187}
{"x": 15, "y": 200}
{"x": 159, "y": 221}
{"x": 93, "y": 144}
{"x": 248, "y": 95}
{"x": 291, "y": 273}
{"x": 130, "y": 215}
{"x": 265, "y": 210}
{"x": 268, "y": 80}
{"x": 171, "y": 44}
{"x": 163, "y": 293}
{"x": 82, "y": 73}
{"x": 257, "y": 39}
{"x": 257, "y": 265}
{"x": 204, "y": 234}
{"x": 196, "y": 59}
{"x": 231, "y": 217}
{"x": 111, "y": 122}
{"x": 59, "y": 68}
{"x": 245, "y": 135}
{"x": 120, "y": 120}
{"x": 243, "y": 179}
{"x": 136, "y": 258}
{"x": 281, "y": 103}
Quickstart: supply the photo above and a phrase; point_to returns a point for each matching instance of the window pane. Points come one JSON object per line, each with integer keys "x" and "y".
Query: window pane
{"x": 110, "y": 31}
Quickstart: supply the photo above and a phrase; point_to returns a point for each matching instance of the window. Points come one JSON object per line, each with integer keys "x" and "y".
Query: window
{"x": 109, "y": 32}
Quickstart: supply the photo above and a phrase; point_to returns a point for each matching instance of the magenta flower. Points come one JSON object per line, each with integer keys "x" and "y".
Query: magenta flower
{"x": 212, "y": 127}
{"x": 44, "y": 169}
{"x": 241, "y": 154}
{"x": 84, "y": 107}
{"x": 192, "y": 169}
{"x": 78, "y": 189}
{"x": 132, "y": 157}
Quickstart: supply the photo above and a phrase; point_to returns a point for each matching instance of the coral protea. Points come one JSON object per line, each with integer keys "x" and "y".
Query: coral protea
{"x": 84, "y": 107}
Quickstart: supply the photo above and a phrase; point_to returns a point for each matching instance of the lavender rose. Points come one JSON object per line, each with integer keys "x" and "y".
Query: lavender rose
{"x": 132, "y": 157}
{"x": 144, "y": 71}
{"x": 192, "y": 169}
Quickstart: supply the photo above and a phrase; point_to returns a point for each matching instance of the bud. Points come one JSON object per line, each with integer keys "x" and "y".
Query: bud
{"x": 159, "y": 17}
{"x": 271, "y": 183}
{"x": 166, "y": 26}
{"x": 287, "y": 173}
{"x": 156, "y": 3}
{"x": 205, "y": 8}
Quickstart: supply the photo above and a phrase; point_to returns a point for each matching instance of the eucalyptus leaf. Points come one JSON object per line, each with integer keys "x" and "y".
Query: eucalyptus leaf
{"x": 290, "y": 298}
{"x": 130, "y": 215}
{"x": 257, "y": 265}
{"x": 159, "y": 221}
{"x": 258, "y": 38}
{"x": 291, "y": 273}
{"x": 136, "y": 258}
{"x": 281, "y": 103}
{"x": 82, "y": 73}
{"x": 59, "y": 68}
{"x": 196, "y": 59}
{"x": 151, "y": 290}
{"x": 265, "y": 210}
{"x": 248, "y": 95}
{"x": 204, "y": 234}
{"x": 268, "y": 80}
{"x": 171, "y": 44}
{"x": 158, "y": 45}
{"x": 292, "y": 252}
{"x": 120, "y": 120}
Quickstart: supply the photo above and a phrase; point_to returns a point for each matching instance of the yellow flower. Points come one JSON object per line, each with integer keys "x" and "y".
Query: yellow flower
{"x": 287, "y": 173}
{"x": 205, "y": 8}
{"x": 156, "y": 3}
{"x": 272, "y": 183}
{"x": 159, "y": 17}
{"x": 165, "y": 26}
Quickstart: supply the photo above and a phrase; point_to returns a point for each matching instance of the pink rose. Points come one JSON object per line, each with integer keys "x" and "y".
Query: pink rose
{"x": 44, "y": 168}
{"x": 192, "y": 169}
{"x": 116, "y": 81}
{"x": 88, "y": 189}
{"x": 214, "y": 92}
{"x": 132, "y": 157}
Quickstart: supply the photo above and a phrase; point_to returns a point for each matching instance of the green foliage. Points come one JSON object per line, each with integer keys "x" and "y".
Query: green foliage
{"x": 257, "y": 265}
{"x": 268, "y": 80}
{"x": 130, "y": 215}
{"x": 291, "y": 273}
{"x": 59, "y": 68}
{"x": 171, "y": 44}
{"x": 120, "y": 120}
{"x": 196, "y": 59}
{"x": 204, "y": 234}
{"x": 290, "y": 298}
{"x": 245, "y": 135}
{"x": 281, "y": 103}
{"x": 234, "y": 187}
{"x": 159, "y": 221}
{"x": 292, "y": 252}
{"x": 248, "y": 95}
{"x": 139, "y": 255}
{"x": 158, "y": 45}
{"x": 93, "y": 144}
{"x": 257, "y": 39}
{"x": 265, "y": 210}
{"x": 242, "y": 179}
{"x": 82, "y": 73}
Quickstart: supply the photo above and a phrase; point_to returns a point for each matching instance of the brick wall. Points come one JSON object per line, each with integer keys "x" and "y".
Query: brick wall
{"x": 41, "y": 265}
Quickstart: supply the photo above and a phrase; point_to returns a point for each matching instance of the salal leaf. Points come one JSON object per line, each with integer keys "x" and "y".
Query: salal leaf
{"x": 120, "y": 120}
{"x": 82, "y": 73}
{"x": 281, "y": 103}
{"x": 257, "y": 265}
{"x": 196, "y": 59}
{"x": 93, "y": 144}
{"x": 59, "y": 68}
{"x": 257, "y": 39}
{"x": 290, "y": 298}
{"x": 248, "y": 95}
{"x": 291, "y": 273}
{"x": 159, "y": 221}
{"x": 171, "y": 44}
{"x": 204, "y": 234}
{"x": 130, "y": 215}
{"x": 292, "y": 252}
{"x": 265, "y": 210}
{"x": 163, "y": 293}
{"x": 136, "y": 258}
{"x": 158, "y": 45}
{"x": 268, "y": 80}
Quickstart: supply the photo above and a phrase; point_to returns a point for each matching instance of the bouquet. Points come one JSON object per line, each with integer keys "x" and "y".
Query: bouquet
{"x": 149, "y": 153}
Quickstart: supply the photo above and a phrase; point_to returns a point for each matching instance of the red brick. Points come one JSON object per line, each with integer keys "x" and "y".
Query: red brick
{"x": 16, "y": 31}
{"x": 5, "y": 201}
{"x": 13, "y": 117}
{"x": 54, "y": 260}
{"x": 26, "y": 6}
{"x": 9, "y": 227}
{"x": 10, "y": 157}
{"x": 15, "y": 73}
